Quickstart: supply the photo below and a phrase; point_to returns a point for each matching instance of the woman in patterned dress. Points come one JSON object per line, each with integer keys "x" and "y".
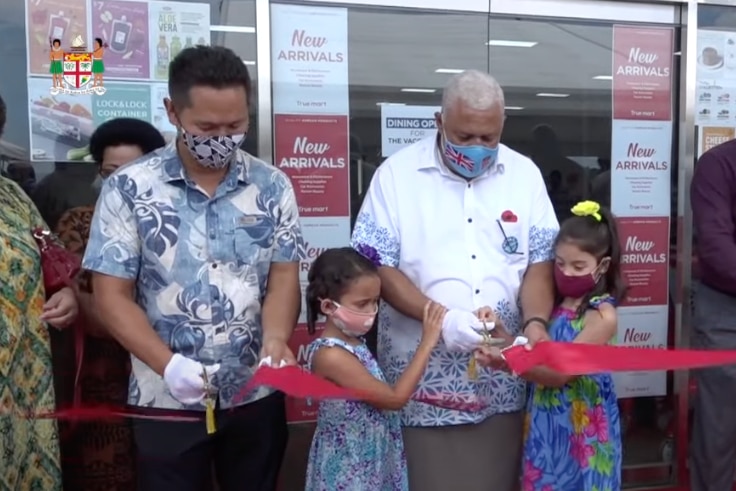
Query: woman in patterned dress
{"x": 29, "y": 448}
{"x": 99, "y": 456}
{"x": 358, "y": 444}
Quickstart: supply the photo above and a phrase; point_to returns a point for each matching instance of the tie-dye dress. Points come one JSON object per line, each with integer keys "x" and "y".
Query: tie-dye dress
{"x": 572, "y": 433}
{"x": 356, "y": 447}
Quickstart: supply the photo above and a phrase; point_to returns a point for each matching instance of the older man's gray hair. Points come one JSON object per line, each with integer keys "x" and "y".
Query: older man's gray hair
{"x": 477, "y": 90}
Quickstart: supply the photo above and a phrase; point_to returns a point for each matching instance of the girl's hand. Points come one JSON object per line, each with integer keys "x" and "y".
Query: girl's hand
{"x": 487, "y": 315}
{"x": 490, "y": 357}
{"x": 434, "y": 314}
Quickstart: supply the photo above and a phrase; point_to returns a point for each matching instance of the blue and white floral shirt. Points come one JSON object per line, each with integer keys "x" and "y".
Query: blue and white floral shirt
{"x": 200, "y": 264}
{"x": 465, "y": 245}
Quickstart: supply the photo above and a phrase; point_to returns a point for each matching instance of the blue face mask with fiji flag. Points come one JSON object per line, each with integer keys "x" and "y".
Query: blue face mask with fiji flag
{"x": 469, "y": 161}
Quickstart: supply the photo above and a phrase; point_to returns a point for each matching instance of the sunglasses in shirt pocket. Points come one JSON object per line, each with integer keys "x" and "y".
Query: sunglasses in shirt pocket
{"x": 253, "y": 238}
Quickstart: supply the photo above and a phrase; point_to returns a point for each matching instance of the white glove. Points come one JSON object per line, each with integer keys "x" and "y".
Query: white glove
{"x": 519, "y": 341}
{"x": 458, "y": 330}
{"x": 184, "y": 380}
{"x": 269, "y": 363}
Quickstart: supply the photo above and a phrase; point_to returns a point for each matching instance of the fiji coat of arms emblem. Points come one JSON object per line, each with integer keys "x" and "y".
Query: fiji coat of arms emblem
{"x": 78, "y": 72}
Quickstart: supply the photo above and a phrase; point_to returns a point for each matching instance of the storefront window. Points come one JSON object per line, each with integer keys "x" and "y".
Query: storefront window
{"x": 399, "y": 64}
{"x": 595, "y": 133}
{"x": 330, "y": 111}
{"x": 606, "y": 135}
{"x": 44, "y": 143}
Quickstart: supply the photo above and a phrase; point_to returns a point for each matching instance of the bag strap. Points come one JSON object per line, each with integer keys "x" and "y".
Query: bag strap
{"x": 44, "y": 238}
{"x": 79, "y": 334}
{"x": 78, "y": 361}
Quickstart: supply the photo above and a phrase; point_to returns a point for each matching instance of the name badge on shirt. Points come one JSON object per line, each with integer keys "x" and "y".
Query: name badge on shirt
{"x": 247, "y": 220}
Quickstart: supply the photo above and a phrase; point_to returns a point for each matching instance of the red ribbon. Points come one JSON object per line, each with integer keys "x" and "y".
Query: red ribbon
{"x": 103, "y": 412}
{"x": 565, "y": 358}
{"x": 296, "y": 382}
{"x": 587, "y": 359}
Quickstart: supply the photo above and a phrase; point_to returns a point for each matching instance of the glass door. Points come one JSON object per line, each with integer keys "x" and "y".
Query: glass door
{"x": 590, "y": 99}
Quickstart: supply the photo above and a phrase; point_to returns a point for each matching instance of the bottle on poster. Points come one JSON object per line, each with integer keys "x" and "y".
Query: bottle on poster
{"x": 121, "y": 30}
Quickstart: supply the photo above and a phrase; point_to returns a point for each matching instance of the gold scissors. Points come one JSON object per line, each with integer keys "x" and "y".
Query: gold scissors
{"x": 488, "y": 340}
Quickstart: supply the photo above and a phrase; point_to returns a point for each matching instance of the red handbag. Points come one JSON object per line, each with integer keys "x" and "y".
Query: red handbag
{"x": 58, "y": 266}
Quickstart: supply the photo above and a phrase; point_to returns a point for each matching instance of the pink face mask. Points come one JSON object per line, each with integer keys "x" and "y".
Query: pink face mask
{"x": 352, "y": 323}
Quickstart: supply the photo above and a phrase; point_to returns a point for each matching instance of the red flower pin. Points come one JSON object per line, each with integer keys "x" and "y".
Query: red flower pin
{"x": 509, "y": 217}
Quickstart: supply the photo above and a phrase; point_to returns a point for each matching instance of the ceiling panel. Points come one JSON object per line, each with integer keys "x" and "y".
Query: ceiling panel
{"x": 389, "y": 51}
{"x": 404, "y": 49}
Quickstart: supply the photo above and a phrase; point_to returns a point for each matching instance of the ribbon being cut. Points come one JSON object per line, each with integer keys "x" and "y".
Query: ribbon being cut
{"x": 566, "y": 358}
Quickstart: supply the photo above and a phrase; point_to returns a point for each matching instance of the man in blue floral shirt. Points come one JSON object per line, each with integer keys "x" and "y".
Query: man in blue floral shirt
{"x": 194, "y": 252}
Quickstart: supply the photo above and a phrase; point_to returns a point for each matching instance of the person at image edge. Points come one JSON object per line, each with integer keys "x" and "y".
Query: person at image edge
{"x": 487, "y": 241}
{"x": 29, "y": 447}
{"x": 194, "y": 254}
{"x": 712, "y": 197}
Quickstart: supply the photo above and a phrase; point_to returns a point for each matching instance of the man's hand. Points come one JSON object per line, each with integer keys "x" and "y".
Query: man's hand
{"x": 459, "y": 331}
{"x": 184, "y": 378}
{"x": 278, "y": 351}
{"x": 61, "y": 309}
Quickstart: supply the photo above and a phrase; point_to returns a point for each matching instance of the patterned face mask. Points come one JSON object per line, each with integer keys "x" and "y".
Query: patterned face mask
{"x": 213, "y": 152}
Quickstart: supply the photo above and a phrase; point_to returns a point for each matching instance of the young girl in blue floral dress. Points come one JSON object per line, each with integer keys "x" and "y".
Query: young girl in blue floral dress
{"x": 572, "y": 432}
{"x": 573, "y": 440}
{"x": 358, "y": 444}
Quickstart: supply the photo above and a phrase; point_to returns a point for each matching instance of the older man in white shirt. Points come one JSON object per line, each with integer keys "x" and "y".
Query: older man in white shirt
{"x": 465, "y": 221}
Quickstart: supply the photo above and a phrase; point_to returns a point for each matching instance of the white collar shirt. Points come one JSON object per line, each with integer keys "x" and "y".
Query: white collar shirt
{"x": 465, "y": 245}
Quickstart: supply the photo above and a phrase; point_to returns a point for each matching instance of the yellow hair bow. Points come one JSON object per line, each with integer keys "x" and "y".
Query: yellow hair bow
{"x": 587, "y": 209}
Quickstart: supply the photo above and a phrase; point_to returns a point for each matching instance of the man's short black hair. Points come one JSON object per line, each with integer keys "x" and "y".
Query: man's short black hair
{"x": 206, "y": 66}
{"x": 124, "y": 131}
{"x": 55, "y": 42}
{"x": 3, "y": 115}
